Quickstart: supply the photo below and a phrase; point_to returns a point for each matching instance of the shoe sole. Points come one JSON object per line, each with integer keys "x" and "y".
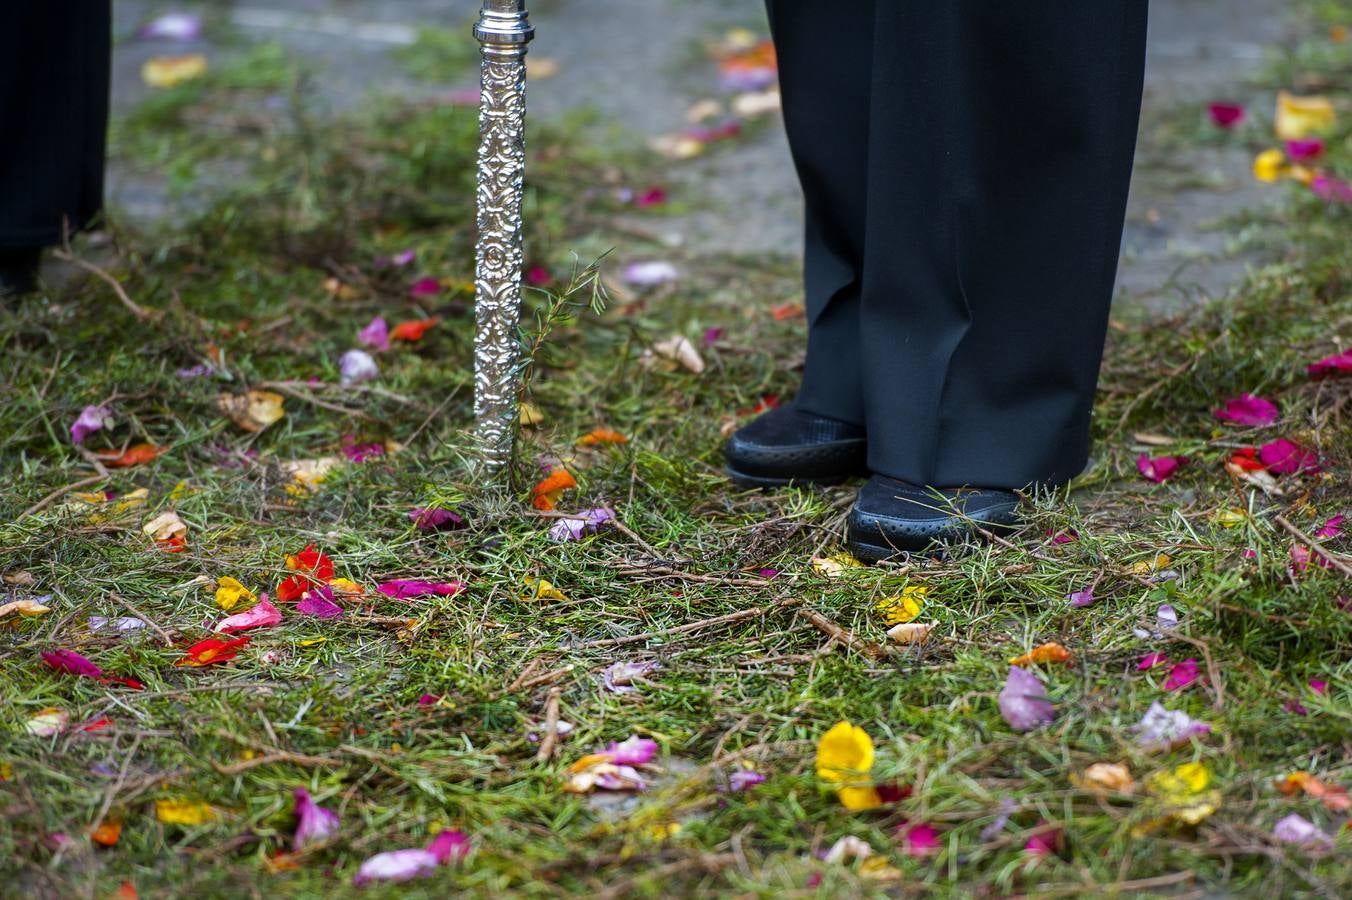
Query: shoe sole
{"x": 943, "y": 542}
{"x": 767, "y": 482}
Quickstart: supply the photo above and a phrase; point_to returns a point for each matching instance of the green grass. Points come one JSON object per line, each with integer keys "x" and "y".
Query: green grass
{"x": 323, "y": 200}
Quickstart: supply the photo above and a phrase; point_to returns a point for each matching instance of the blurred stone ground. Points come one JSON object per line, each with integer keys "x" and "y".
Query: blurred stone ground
{"x": 639, "y": 65}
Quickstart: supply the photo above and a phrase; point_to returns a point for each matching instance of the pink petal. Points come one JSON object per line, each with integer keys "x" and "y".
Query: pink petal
{"x": 635, "y": 751}
{"x": 262, "y": 614}
{"x": 1284, "y": 457}
{"x": 1318, "y": 686}
{"x": 1330, "y": 188}
{"x": 1246, "y": 409}
{"x": 319, "y": 602}
{"x": 1181, "y": 675}
{"x": 1044, "y": 841}
{"x": 1305, "y": 149}
{"x": 397, "y": 865}
{"x": 425, "y": 287}
{"x": 375, "y": 335}
{"x": 1339, "y": 362}
{"x": 1023, "y": 702}
{"x": 406, "y": 589}
{"x": 1225, "y": 115}
{"x": 1081, "y": 599}
{"x": 711, "y": 336}
{"x": 90, "y": 420}
{"x": 71, "y": 663}
{"x": 919, "y": 840}
{"x": 1150, "y": 661}
{"x": 449, "y": 846}
{"x": 1332, "y": 528}
{"x": 428, "y": 699}
{"x": 313, "y": 823}
{"x": 360, "y": 453}
{"x": 1160, "y": 468}
{"x": 404, "y": 257}
{"x": 653, "y": 196}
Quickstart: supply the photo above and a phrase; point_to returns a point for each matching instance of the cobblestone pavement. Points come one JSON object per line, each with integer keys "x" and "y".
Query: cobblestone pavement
{"x": 639, "y": 65}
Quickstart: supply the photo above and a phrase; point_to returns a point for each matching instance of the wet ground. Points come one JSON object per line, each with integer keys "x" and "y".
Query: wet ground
{"x": 640, "y": 66}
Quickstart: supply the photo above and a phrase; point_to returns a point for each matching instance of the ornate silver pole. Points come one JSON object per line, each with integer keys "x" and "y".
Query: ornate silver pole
{"x": 503, "y": 32}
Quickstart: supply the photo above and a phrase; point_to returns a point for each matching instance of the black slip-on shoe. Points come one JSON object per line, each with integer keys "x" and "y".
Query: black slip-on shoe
{"x": 786, "y": 446}
{"x": 892, "y": 517}
{"x": 19, "y": 270}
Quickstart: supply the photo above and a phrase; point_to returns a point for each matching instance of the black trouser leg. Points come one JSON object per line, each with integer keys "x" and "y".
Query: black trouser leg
{"x": 825, "y": 64}
{"x": 1000, "y": 147}
{"x": 54, "y": 59}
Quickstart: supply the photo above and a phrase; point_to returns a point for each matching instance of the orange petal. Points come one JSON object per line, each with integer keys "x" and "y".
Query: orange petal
{"x": 1047, "y": 653}
{"x": 134, "y": 455}
{"x": 601, "y": 436}
{"x": 412, "y": 330}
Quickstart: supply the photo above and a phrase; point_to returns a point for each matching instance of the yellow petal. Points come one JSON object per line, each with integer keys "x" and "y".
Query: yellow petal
{"x": 1299, "y": 117}
{"x": 539, "y": 589}
{"x": 531, "y": 415}
{"x": 168, "y": 71}
{"x": 230, "y": 593}
{"x": 30, "y": 608}
{"x": 835, "y": 565}
{"x": 844, "y": 753}
{"x": 1268, "y": 165}
{"x": 179, "y": 811}
{"x": 253, "y": 410}
{"x": 905, "y": 606}
{"x": 346, "y": 587}
{"x": 1232, "y": 517}
{"x": 857, "y": 799}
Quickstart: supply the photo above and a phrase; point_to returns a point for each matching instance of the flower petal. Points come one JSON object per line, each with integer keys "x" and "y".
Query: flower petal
{"x": 1023, "y": 701}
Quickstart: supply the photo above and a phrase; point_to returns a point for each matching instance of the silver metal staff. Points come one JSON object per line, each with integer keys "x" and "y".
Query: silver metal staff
{"x": 503, "y": 32}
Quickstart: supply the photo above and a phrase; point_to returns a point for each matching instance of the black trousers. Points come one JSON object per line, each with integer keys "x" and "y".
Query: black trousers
{"x": 965, "y": 166}
{"x": 54, "y": 58}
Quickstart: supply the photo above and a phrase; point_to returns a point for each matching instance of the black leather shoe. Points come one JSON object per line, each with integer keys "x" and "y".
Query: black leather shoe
{"x": 891, "y": 517}
{"x": 19, "y": 270}
{"x": 785, "y": 446}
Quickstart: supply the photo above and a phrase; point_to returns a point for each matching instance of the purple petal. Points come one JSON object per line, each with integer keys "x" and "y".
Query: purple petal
{"x": 435, "y": 519}
{"x": 407, "y": 588}
{"x": 90, "y": 420}
{"x": 175, "y": 26}
{"x": 619, "y": 677}
{"x": 1023, "y": 702}
{"x": 376, "y": 335}
{"x": 428, "y": 699}
{"x": 397, "y": 865}
{"x": 360, "y": 453}
{"x": 356, "y": 366}
{"x": 744, "y": 779}
{"x": 574, "y": 528}
{"x": 313, "y": 823}
{"x": 1081, "y": 599}
{"x": 404, "y": 257}
{"x": 1161, "y": 728}
{"x": 1296, "y": 829}
{"x": 635, "y": 751}
{"x": 647, "y": 274}
{"x": 1332, "y": 528}
{"x": 201, "y": 370}
{"x": 1331, "y": 188}
{"x": 319, "y": 602}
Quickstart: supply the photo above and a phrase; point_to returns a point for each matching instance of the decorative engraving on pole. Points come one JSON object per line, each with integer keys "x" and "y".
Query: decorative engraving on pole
{"x": 503, "y": 32}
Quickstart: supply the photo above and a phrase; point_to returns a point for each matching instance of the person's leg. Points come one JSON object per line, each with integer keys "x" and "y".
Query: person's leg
{"x": 824, "y": 52}
{"x": 1001, "y": 147}
{"x": 54, "y": 74}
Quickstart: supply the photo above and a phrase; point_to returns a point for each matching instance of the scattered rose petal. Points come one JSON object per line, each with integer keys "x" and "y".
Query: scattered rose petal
{"x": 1150, "y": 661}
{"x": 1305, "y": 149}
{"x": 90, "y": 420}
{"x": 601, "y": 436}
{"x": 1334, "y": 797}
{"x": 1296, "y": 829}
{"x": 678, "y": 349}
{"x": 211, "y": 651}
{"x": 253, "y": 410}
{"x": 123, "y": 625}
{"x": 47, "y": 722}
{"x": 360, "y": 453}
{"x": 1166, "y": 619}
{"x": 845, "y": 758}
{"x": 587, "y": 521}
{"x": 903, "y": 607}
{"x": 1225, "y": 115}
{"x": 1081, "y": 599}
{"x": 396, "y": 865}
{"x": 634, "y": 751}
{"x": 1164, "y": 729}
{"x": 175, "y": 26}
{"x": 261, "y": 615}
{"x": 919, "y": 841}
{"x": 744, "y": 779}
{"x": 1247, "y": 409}
{"x": 1331, "y": 528}
{"x": 1105, "y": 778}
{"x": 318, "y": 602}
{"x": 29, "y": 608}
{"x": 1331, "y": 188}
{"x": 170, "y": 71}
{"x": 1045, "y": 840}
{"x": 1338, "y": 362}
{"x": 619, "y": 677}
{"x": 653, "y": 196}
{"x": 1285, "y": 457}
{"x": 167, "y": 530}
{"x": 314, "y": 824}
{"x": 412, "y": 331}
{"x": 435, "y": 519}
{"x": 428, "y": 699}
{"x": 1160, "y": 468}
{"x": 1181, "y": 675}
{"x": 425, "y": 287}
{"x": 992, "y": 831}
{"x": 712, "y": 335}
{"x": 230, "y": 593}
{"x": 356, "y": 366}
{"x": 1023, "y": 701}
{"x": 1299, "y": 117}
{"x": 71, "y": 663}
{"x": 376, "y": 335}
{"x": 647, "y": 274}
{"x": 541, "y": 589}
{"x": 538, "y": 276}
{"x": 1045, "y": 654}
{"x": 449, "y": 846}
{"x": 910, "y": 632}
{"x": 181, "y": 811}
{"x": 407, "y": 588}
{"x": 547, "y": 492}
{"x": 135, "y": 455}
